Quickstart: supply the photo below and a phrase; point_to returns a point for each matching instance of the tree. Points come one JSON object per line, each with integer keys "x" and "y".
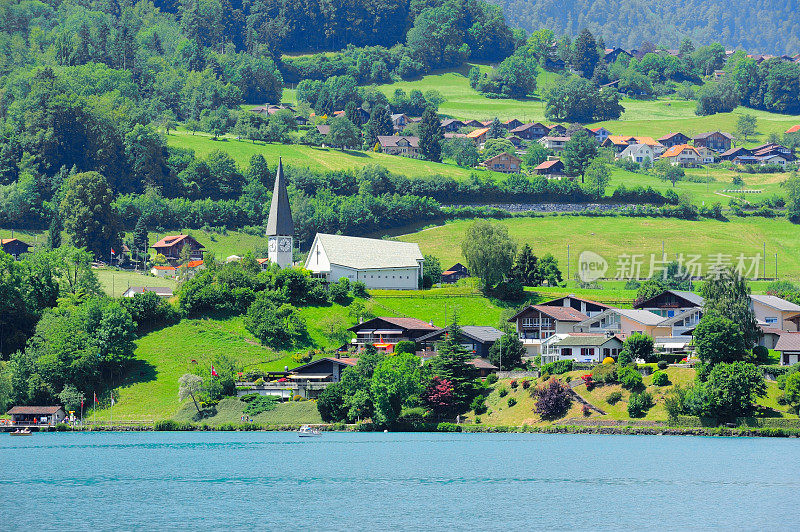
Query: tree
{"x": 496, "y": 130}
{"x": 579, "y": 151}
{"x": 344, "y": 134}
{"x": 489, "y": 251}
{"x": 509, "y": 347}
{"x": 731, "y": 389}
{"x": 71, "y": 398}
{"x": 438, "y": 396}
{"x": 666, "y": 171}
{"x": 379, "y": 124}
{"x": 597, "y": 176}
{"x": 640, "y": 346}
{"x": 89, "y": 217}
{"x": 141, "y": 241}
{"x": 548, "y": 270}
{"x": 279, "y": 327}
{"x": 746, "y": 126}
{"x": 351, "y": 111}
{"x": 792, "y": 390}
{"x": 526, "y": 267}
{"x": 686, "y": 48}
{"x": 331, "y": 402}
{"x": 190, "y": 385}
{"x": 144, "y": 150}
{"x": 334, "y": 329}
{"x": 535, "y": 155}
{"x": 792, "y": 186}
{"x": 452, "y": 364}
{"x": 718, "y": 339}
{"x": 54, "y": 232}
{"x": 431, "y": 271}
{"x": 395, "y": 381}
{"x": 726, "y": 292}
{"x": 430, "y": 136}
{"x": 494, "y": 147}
{"x": 552, "y": 399}
{"x": 584, "y": 53}
{"x": 462, "y": 151}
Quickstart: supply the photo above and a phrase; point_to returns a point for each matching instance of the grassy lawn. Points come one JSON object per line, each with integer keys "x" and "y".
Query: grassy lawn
{"x": 115, "y": 282}
{"x": 316, "y": 158}
{"x": 614, "y": 236}
{"x": 230, "y": 409}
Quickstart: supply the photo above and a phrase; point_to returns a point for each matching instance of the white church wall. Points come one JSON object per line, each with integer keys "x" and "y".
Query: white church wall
{"x": 389, "y": 279}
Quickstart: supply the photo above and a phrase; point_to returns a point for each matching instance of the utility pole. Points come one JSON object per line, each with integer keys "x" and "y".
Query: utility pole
{"x": 567, "y": 262}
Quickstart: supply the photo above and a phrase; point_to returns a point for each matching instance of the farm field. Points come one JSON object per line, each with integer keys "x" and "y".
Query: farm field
{"x": 612, "y": 237}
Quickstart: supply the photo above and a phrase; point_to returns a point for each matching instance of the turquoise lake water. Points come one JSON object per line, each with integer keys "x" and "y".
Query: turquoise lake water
{"x": 379, "y": 481}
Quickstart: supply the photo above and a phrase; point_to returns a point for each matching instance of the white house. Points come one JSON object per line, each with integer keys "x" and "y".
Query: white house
{"x": 164, "y": 271}
{"x": 638, "y": 153}
{"x": 381, "y": 264}
{"x": 775, "y": 312}
{"x": 581, "y": 347}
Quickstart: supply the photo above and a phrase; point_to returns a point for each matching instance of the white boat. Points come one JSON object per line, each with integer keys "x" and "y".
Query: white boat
{"x": 306, "y": 432}
{"x": 21, "y": 432}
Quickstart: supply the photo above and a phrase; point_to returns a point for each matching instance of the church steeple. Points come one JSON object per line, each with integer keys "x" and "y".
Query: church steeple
{"x": 280, "y": 226}
{"x": 280, "y": 221}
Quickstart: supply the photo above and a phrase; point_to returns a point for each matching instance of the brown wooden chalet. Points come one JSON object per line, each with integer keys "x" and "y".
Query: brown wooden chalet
{"x": 531, "y": 131}
{"x": 172, "y": 246}
{"x": 714, "y": 140}
{"x": 14, "y": 246}
{"x": 674, "y": 139}
{"x": 454, "y": 273}
{"x": 584, "y": 306}
{"x": 384, "y": 333}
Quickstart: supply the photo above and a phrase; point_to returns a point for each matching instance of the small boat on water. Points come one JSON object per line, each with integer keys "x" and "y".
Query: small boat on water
{"x": 21, "y": 432}
{"x": 307, "y": 432}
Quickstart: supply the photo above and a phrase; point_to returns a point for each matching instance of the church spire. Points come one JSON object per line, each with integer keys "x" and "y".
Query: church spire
{"x": 280, "y": 213}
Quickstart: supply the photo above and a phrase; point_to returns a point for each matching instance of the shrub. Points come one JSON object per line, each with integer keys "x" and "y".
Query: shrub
{"x": 249, "y": 397}
{"x": 405, "y": 346}
{"x": 639, "y": 404}
{"x": 526, "y": 384}
{"x": 359, "y": 289}
{"x": 568, "y": 378}
{"x": 491, "y": 378}
{"x": 514, "y": 384}
{"x": 297, "y": 398}
{"x": 605, "y": 373}
{"x": 660, "y": 378}
{"x": 608, "y": 360}
{"x": 662, "y": 364}
{"x": 586, "y": 411}
{"x": 503, "y": 392}
{"x": 448, "y": 427}
{"x": 614, "y": 398}
{"x": 511, "y": 401}
{"x": 558, "y": 367}
{"x": 478, "y": 404}
{"x": 629, "y": 378}
{"x": 260, "y": 404}
{"x": 624, "y": 358}
{"x": 552, "y": 400}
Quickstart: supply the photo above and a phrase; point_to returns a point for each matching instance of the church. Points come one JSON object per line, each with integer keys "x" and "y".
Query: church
{"x": 379, "y": 264}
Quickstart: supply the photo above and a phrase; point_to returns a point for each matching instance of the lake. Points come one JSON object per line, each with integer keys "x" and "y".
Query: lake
{"x": 361, "y": 481}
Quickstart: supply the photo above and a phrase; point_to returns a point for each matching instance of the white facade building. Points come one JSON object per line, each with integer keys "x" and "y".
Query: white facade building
{"x": 380, "y": 264}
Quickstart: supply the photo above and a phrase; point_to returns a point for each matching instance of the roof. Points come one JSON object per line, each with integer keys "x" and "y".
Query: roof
{"x": 499, "y": 155}
{"x": 324, "y": 129}
{"x": 482, "y": 333}
{"x": 557, "y": 313}
{"x": 49, "y": 410}
{"x": 589, "y": 339}
{"x": 168, "y": 268}
{"x": 788, "y": 341}
{"x": 734, "y": 151}
{"x": 448, "y": 121}
{"x": 672, "y": 135}
{"x": 172, "y": 240}
{"x": 793, "y": 129}
{"x": 160, "y": 290}
{"x": 525, "y": 127}
{"x": 477, "y": 133}
{"x": 710, "y": 133}
{"x": 280, "y": 213}
{"x": 5, "y": 241}
{"x": 342, "y": 361}
{"x": 562, "y": 139}
{"x": 392, "y": 140}
{"x": 695, "y": 299}
{"x": 645, "y": 317}
{"x": 194, "y": 263}
{"x": 776, "y": 302}
{"x": 546, "y": 165}
{"x": 369, "y": 253}
{"x": 572, "y": 296}
{"x": 481, "y": 363}
{"x": 680, "y": 148}
{"x": 395, "y": 116}
{"x": 633, "y": 149}
{"x": 405, "y": 323}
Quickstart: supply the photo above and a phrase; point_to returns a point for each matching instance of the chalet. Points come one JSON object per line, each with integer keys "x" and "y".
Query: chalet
{"x": 403, "y": 146}
{"x": 581, "y": 347}
{"x": 557, "y": 130}
{"x": 638, "y": 153}
{"x": 619, "y": 143}
{"x": 384, "y": 333}
{"x": 788, "y": 345}
{"x": 555, "y": 144}
{"x": 37, "y": 415}
{"x": 399, "y": 121}
{"x": 362, "y": 114}
{"x": 379, "y": 264}
{"x": 172, "y": 247}
{"x": 160, "y": 291}
{"x": 766, "y": 150}
{"x": 516, "y": 141}
{"x": 483, "y": 366}
{"x": 531, "y": 131}
{"x": 794, "y": 129}
{"x": 683, "y": 155}
{"x": 451, "y": 125}
{"x": 625, "y": 322}
{"x": 674, "y": 139}
{"x": 735, "y": 153}
{"x": 14, "y": 247}
{"x": 670, "y": 303}
{"x": 504, "y": 163}
{"x": 776, "y": 312}
{"x": 477, "y": 339}
{"x": 714, "y": 140}
{"x": 612, "y": 54}
{"x": 472, "y": 123}
{"x": 310, "y": 379}
{"x": 478, "y": 136}
{"x": 324, "y": 129}
{"x": 778, "y": 160}
{"x": 600, "y": 133}
{"x": 454, "y": 273}
{"x": 552, "y": 168}
{"x": 707, "y": 156}
{"x": 536, "y": 323}
{"x": 164, "y": 271}
{"x": 584, "y": 306}
{"x": 511, "y": 124}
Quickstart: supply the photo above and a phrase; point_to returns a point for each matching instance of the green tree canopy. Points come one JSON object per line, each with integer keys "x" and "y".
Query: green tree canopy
{"x": 489, "y": 251}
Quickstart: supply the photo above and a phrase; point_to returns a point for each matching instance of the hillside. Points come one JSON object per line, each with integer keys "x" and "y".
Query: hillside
{"x": 764, "y": 26}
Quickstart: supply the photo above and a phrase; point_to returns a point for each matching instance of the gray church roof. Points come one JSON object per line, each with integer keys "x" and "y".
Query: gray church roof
{"x": 280, "y": 213}
{"x": 369, "y": 253}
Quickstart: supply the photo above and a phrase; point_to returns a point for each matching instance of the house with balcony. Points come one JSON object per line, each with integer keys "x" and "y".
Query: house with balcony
{"x": 536, "y": 323}
{"x": 674, "y": 139}
{"x": 172, "y": 247}
{"x": 718, "y": 141}
{"x": 503, "y": 163}
{"x": 581, "y": 347}
{"x": 775, "y": 312}
{"x": 625, "y": 322}
{"x": 555, "y": 144}
{"x": 670, "y": 303}
{"x": 584, "y": 306}
{"x": 530, "y": 131}
{"x": 384, "y": 333}
{"x": 402, "y": 146}
{"x": 683, "y": 155}
{"x": 476, "y": 339}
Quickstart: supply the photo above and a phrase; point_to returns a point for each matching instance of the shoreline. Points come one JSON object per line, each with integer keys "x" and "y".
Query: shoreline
{"x": 620, "y": 430}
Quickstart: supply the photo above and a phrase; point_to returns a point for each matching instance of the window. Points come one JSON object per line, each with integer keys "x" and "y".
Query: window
{"x": 587, "y": 351}
{"x": 771, "y": 319}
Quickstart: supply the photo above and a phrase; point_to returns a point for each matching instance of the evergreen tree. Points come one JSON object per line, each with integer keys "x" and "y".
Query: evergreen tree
{"x": 430, "y": 136}
{"x": 379, "y": 123}
{"x": 54, "y": 232}
{"x": 496, "y": 130}
{"x": 451, "y": 364}
{"x": 579, "y": 151}
{"x": 584, "y": 53}
{"x": 141, "y": 241}
{"x": 526, "y": 268}
{"x": 726, "y": 293}
{"x": 352, "y": 113}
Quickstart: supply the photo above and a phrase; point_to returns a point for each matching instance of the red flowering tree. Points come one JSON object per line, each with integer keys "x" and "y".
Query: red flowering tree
{"x": 440, "y": 398}
{"x": 552, "y": 399}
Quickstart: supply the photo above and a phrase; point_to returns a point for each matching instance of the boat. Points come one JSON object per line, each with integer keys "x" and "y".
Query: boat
{"x": 21, "y": 432}
{"x": 306, "y": 432}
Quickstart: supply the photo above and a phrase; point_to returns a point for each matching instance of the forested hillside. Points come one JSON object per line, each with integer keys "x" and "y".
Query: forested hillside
{"x": 761, "y": 26}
